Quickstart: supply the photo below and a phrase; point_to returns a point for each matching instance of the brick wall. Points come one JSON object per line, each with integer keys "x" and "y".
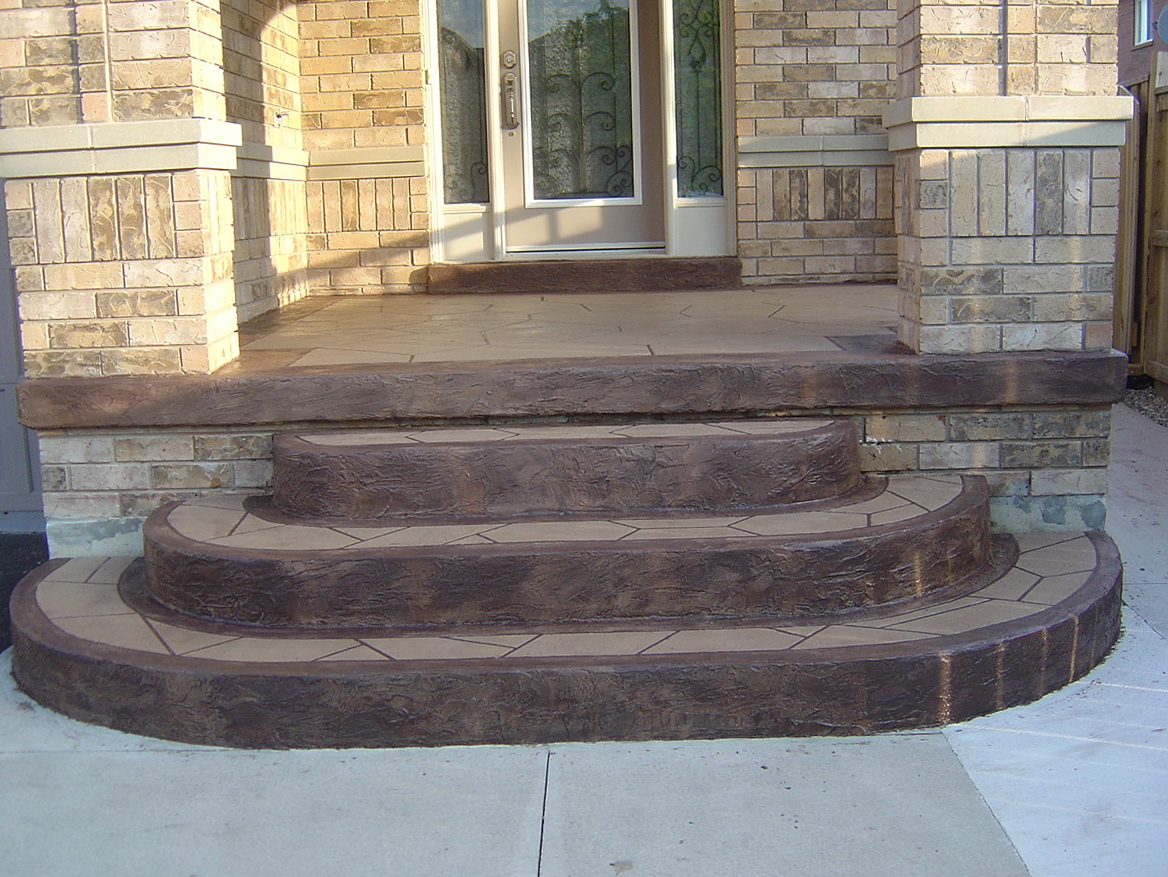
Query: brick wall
{"x": 1009, "y": 249}
{"x": 799, "y": 225}
{"x": 1009, "y": 173}
{"x": 128, "y": 272}
{"x": 363, "y": 89}
{"x": 1047, "y": 468}
{"x": 270, "y": 262}
{"x": 1135, "y": 62}
{"x": 165, "y": 59}
{"x": 123, "y": 274}
{"x": 367, "y": 235}
{"x": 813, "y": 66}
{"x": 1035, "y": 47}
{"x": 361, "y": 69}
{"x": 97, "y": 62}
{"x": 261, "y": 54}
{"x": 805, "y": 69}
{"x": 261, "y": 62}
{"x": 118, "y": 478}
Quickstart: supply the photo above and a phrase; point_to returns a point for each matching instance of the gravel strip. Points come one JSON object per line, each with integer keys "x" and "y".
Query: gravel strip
{"x": 1149, "y": 404}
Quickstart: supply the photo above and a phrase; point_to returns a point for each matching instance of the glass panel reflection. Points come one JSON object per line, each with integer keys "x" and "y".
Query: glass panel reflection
{"x": 697, "y": 74}
{"x": 464, "y": 107}
{"x": 580, "y": 71}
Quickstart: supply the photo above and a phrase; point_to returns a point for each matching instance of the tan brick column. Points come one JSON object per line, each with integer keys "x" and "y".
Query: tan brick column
{"x": 117, "y": 164}
{"x": 1006, "y": 134}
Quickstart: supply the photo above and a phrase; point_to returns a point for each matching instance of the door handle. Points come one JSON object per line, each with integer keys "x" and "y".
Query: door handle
{"x": 510, "y": 102}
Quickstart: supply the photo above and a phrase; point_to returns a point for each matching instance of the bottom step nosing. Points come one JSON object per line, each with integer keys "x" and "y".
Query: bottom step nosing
{"x": 1041, "y": 625}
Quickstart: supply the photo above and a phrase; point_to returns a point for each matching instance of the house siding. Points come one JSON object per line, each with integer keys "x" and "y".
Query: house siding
{"x": 1135, "y": 62}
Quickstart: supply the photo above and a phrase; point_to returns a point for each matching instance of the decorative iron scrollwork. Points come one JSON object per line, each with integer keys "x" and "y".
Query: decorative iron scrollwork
{"x": 464, "y": 110}
{"x": 581, "y": 100}
{"x": 698, "y": 78}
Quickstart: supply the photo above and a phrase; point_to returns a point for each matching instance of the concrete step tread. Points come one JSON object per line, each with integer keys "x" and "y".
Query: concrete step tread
{"x": 232, "y": 559}
{"x": 236, "y": 522}
{"x": 565, "y": 432}
{"x": 81, "y": 598}
{"x": 84, "y": 650}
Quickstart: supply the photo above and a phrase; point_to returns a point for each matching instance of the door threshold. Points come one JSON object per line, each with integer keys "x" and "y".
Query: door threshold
{"x": 585, "y": 255}
{"x": 624, "y": 273}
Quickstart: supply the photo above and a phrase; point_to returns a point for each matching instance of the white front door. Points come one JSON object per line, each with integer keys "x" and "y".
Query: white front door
{"x": 580, "y": 125}
{"x": 554, "y": 133}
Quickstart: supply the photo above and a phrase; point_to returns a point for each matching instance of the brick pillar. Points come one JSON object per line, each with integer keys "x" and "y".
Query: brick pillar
{"x": 1006, "y": 132}
{"x": 117, "y": 162}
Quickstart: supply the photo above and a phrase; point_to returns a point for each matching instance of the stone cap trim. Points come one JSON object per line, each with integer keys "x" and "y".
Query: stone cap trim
{"x": 828, "y": 150}
{"x": 989, "y": 122}
{"x": 366, "y": 163}
{"x": 186, "y": 144}
{"x": 119, "y": 147}
{"x": 271, "y": 162}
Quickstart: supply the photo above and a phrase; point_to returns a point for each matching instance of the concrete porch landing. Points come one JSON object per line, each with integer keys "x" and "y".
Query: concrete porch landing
{"x": 575, "y": 355}
{"x": 321, "y": 332}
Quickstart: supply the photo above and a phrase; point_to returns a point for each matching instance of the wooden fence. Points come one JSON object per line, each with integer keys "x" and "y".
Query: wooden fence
{"x": 1141, "y": 302}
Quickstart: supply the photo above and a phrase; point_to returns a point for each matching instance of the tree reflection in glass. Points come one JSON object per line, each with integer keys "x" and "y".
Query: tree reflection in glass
{"x": 580, "y": 74}
{"x": 698, "y": 86}
{"x": 464, "y": 109}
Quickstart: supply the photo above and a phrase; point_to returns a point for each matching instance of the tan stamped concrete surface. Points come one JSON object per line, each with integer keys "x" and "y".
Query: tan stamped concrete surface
{"x": 82, "y": 599}
{"x": 225, "y": 521}
{"x": 371, "y": 330}
{"x": 454, "y": 435}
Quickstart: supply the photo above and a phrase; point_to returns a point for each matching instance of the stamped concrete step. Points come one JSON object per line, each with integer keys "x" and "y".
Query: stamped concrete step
{"x": 237, "y": 560}
{"x": 547, "y": 470}
{"x": 100, "y": 654}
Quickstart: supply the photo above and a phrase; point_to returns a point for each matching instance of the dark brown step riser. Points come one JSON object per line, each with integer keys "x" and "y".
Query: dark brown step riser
{"x": 611, "y": 275}
{"x": 523, "y": 478}
{"x": 337, "y": 705}
{"x": 682, "y": 385}
{"x": 533, "y": 583}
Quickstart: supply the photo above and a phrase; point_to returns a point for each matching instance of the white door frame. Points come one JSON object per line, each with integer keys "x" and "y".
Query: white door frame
{"x": 703, "y": 226}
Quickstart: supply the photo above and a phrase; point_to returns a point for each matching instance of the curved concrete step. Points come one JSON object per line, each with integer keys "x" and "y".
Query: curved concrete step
{"x": 548, "y": 470}
{"x": 81, "y": 649}
{"x": 229, "y": 559}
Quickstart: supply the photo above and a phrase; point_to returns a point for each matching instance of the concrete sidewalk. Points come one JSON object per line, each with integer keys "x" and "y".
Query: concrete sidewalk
{"x": 1076, "y": 784}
